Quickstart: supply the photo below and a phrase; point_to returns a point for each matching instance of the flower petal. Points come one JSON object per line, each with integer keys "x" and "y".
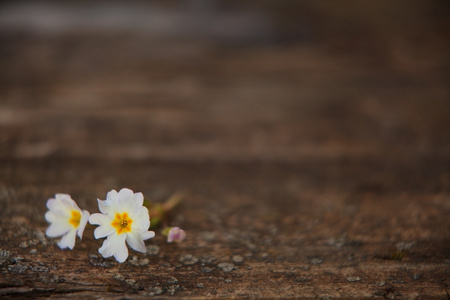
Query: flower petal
{"x": 112, "y": 195}
{"x": 138, "y": 199}
{"x": 103, "y": 231}
{"x": 125, "y": 194}
{"x": 83, "y": 222}
{"x": 58, "y": 229}
{"x": 120, "y": 249}
{"x": 61, "y": 196}
{"x": 125, "y": 202}
{"x": 68, "y": 240}
{"x": 106, "y": 250}
{"x": 100, "y": 219}
{"x": 103, "y": 205}
{"x": 135, "y": 241}
{"x": 104, "y": 221}
{"x": 147, "y": 235}
{"x": 117, "y": 242}
{"x": 57, "y": 206}
{"x": 141, "y": 219}
{"x": 52, "y": 217}
{"x": 68, "y": 203}
{"x": 115, "y": 245}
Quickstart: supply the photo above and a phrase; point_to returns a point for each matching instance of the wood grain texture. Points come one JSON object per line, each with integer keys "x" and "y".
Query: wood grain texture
{"x": 311, "y": 143}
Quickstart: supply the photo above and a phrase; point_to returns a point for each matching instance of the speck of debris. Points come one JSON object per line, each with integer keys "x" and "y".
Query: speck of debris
{"x": 228, "y": 280}
{"x": 200, "y": 285}
{"x": 353, "y": 279}
{"x": 404, "y": 246}
{"x": 5, "y": 256}
{"x": 172, "y": 280}
{"x": 130, "y": 281}
{"x": 207, "y": 269}
{"x": 139, "y": 262}
{"x": 39, "y": 269}
{"x": 17, "y": 268}
{"x": 208, "y": 259}
{"x": 33, "y": 251}
{"x": 381, "y": 283}
{"x": 238, "y": 259}
{"x": 119, "y": 277}
{"x": 251, "y": 246}
{"x": 41, "y": 237}
{"x": 316, "y": 261}
{"x": 99, "y": 262}
{"x": 155, "y": 290}
{"x": 396, "y": 280}
{"x": 337, "y": 241}
{"x": 153, "y": 249}
{"x": 165, "y": 265}
{"x": 208, "y": 236}
{"x": 53, "y": 278}
{"x": 226, "y": 267}
{"x": 23, "y": 244}
{"x": 188, "y": 259}
{"x": 173, "y": 289}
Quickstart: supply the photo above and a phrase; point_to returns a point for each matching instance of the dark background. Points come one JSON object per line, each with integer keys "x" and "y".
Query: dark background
{"x": 311, "y": 140}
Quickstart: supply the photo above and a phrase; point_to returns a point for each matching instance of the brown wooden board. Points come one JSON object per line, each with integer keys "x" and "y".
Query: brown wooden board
{"x": 311, "y": 143}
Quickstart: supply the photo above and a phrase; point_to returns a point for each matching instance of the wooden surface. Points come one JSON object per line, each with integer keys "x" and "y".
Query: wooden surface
{"x": 311, "y": 141}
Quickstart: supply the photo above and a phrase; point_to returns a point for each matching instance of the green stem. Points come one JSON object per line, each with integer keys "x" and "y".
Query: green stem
{"x": 173, "y": 202}
{"x": 159, "y": 212}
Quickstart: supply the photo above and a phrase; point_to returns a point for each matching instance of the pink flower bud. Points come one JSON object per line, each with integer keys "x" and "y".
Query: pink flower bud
{"x": 176, "y": 234}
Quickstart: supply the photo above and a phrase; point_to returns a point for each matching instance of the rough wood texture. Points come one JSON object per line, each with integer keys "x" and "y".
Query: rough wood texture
{"x": 311, "y": 141}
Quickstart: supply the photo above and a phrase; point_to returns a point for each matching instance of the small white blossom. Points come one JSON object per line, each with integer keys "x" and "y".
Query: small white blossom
{"x": 123, "y": 218}
{"x": 176, "y": 234}
{"x": 67, "y": 220}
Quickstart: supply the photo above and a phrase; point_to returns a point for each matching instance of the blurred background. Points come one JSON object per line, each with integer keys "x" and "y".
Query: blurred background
{"x": 224, "y": 80}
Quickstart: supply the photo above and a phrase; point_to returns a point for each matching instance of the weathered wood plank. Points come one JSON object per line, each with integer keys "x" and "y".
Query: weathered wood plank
{"x": 311, "y": 145}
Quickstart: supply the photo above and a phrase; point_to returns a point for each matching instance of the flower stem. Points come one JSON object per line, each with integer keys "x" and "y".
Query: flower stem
{"x": 173, "y": 202}
{"x": 160, "y": 212}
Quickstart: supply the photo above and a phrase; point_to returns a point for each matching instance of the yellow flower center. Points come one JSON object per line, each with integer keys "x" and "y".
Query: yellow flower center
{"x": 75, "y": 219}
{"x": 122, "y": 223}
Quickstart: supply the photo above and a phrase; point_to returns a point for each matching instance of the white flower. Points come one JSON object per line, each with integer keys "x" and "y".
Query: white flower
{"x": 176, "y": 234}
{"x": 123, "y": 218}
{"x": 67, "y": 220}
